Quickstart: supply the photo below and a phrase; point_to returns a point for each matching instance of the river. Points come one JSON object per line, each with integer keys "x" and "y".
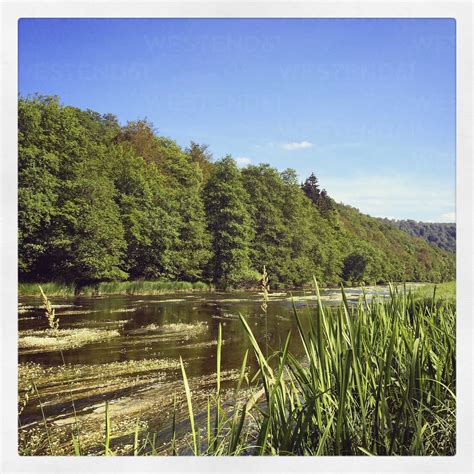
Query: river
{"x": 126, "y": 349}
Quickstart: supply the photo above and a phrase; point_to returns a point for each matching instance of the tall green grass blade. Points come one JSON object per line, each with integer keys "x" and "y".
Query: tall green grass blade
{"x": 190, "y": 407}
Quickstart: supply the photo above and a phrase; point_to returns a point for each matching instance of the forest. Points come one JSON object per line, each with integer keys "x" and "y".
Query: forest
{"x": 100, "y": 201}
{"x": 440, "y": 234}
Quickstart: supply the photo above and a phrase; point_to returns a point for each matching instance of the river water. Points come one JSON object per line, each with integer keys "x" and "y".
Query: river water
{"x": 126, "y": 349}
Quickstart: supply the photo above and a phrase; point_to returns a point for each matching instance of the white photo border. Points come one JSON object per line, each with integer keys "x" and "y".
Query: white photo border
{"x": 11, "y": 12}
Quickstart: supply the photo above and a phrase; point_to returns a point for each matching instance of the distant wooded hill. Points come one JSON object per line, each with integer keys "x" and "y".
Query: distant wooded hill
{"x": 101, "y": 201}
{"x": 440, "y": 235}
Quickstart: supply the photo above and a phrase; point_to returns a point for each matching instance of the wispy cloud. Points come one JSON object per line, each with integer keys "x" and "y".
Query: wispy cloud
{"x": 403, "y": 197}
{"x": 297, "y": 145}
{"x": 243, "y": 160}
{"x": 448, "y": 217}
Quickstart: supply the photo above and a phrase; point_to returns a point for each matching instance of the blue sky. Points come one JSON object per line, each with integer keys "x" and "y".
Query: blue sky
{"x": 368, "y": 105}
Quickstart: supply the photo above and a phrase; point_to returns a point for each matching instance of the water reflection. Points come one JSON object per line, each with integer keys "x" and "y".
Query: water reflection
{"x": 137, "y": 366}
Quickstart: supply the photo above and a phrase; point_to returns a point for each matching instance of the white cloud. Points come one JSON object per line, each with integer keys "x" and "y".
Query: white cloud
{"x": 403, "y": 197}
{"x": 297, "y": 145}
{"x": 448, "y": 217}
{"x": 243, "y": 160}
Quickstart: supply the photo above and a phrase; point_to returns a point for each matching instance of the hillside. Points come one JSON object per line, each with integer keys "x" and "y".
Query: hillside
{"x": 441, "y": 235}
{"x": 402, "y": 254}
{"x": 99, "y": 201}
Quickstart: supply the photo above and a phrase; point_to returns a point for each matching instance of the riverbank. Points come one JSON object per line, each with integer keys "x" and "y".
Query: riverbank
{"x": 132, "y": 288}
{"x": 446, "y": 290}
{"x": 150, "y": 288}
{"x": 161, "y": 375}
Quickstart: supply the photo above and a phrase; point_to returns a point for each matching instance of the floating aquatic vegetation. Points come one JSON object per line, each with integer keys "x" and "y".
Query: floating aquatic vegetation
{"x": 225, "y": 316}
{"x": 282, "y": 318}
{"x": 106, "y": 323}
{"x": 50, "y": 339}
{"x": 186, "y": 328}
{"x": 123, "y": 310}
{"x": 79, "y": 311}
{"x": 143, "y": 392}
{"x": 24, "y": 307}
{"x": 199, "y": 345}
{"x": 46, "y": 375}
{"x": 173, "y": 300}
{"x": 190, "y": 329}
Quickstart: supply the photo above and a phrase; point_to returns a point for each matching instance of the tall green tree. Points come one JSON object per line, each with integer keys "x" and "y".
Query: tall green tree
{"x": 87, "y": 242}
{"x": 151, "y": 232}
{"x": 201, "y": 155}
{"x": 76, "y": 233}
{"x": 38, "y": 185}
{"x": 188, "y": 243}
{"x": 265, "y": 186}
{"x": 229, "y": 225}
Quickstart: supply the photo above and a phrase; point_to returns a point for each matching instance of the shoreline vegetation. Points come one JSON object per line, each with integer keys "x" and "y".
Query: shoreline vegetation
{"x": 377, "y": 378}
{"x": 150, "y": 288}
{"x": 137, "y": 287}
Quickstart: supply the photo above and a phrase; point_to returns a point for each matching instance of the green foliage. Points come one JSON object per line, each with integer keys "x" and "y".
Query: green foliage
{"x": 438, "y": 234}
{"x": 377, "y": 379}
{"x": 68, "y": 221}
{"x": 98, "y": 202}
{"x": 134, "y": 287}
{"x": 201, "y": 155}
{"x": 184, "y": 245}
{"x": 149, "y": 228}
{"x": 355, "y": 266}
{"x": 230, "y": 226}
{"x": 397, "y": 255}
{"x": 442, "y": 291}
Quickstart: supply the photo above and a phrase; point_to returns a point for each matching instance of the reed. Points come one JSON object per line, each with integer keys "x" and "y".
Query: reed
{"x": 377, "y": 379}
{"x": 137, "y": 287}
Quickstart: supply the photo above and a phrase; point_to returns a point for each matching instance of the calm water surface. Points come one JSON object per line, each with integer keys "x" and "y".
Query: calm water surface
{"x": 138, "y": 317}
{"x": 139, "y": 328}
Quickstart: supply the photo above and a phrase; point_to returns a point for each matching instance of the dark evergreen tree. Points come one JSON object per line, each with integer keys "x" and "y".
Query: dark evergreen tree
{"x": 324, "y": 203}
{"x": 311, "y": 188}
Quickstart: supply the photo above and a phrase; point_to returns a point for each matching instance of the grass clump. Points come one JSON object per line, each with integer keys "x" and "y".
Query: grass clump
{"x": 377, "y": 379}
{"x": 442, "y": 291}
{"x": 49, "y": 288}
{"x": 137, "y": 287}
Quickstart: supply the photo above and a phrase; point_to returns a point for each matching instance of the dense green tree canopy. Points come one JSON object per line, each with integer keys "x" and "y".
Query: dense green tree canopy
{"x": 229, "y": 224}
{"x": 441, "y": 235}
{"x": 100, "y": 201}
